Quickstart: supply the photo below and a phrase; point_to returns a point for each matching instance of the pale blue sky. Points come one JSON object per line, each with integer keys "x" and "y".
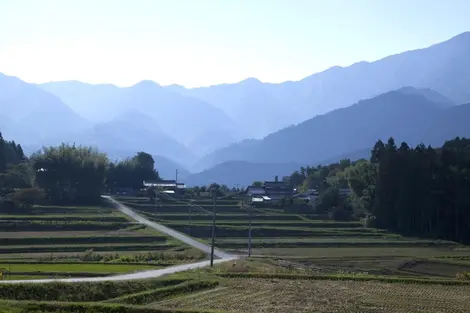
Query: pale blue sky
{"x": 204, "y": 42}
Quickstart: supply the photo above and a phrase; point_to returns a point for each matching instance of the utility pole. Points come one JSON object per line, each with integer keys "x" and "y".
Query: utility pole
{"x": 189, "y": 218}
{"x": 157, "y": 200}
{"x": 214, "y": 193}
{"x": 176, "y": 180}
{"x": 249, "y": 229}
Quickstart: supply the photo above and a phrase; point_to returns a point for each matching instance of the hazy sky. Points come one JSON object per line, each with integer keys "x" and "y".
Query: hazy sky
{"x": 203, "y": 42}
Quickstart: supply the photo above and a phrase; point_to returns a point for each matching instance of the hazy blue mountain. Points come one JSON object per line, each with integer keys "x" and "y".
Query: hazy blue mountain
{"x": 429, "y": 94}
{"x": 181, "y": 117}
{"x": 249, "y": 102}
{"x": 32, "y": 114}
{"x": 407, "y": 116}
{"x": 133, "y": 132}
{"x": 97, "y": 103}
{"x": 184, "y": 118}
{"x": 233, "y": 173}
{"x": 444, "y": 68}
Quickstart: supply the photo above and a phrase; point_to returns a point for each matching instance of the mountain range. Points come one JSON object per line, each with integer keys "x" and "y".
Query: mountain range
{"x": 415, "y": 96}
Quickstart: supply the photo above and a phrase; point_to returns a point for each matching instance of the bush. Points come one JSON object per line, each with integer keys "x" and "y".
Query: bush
{"x": 463, "y": 276}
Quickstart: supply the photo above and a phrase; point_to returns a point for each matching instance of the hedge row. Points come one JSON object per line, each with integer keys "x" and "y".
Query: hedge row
{"x": 159, "y": 294}
{"x": 94, "y": 291}
{"x": 51, "y": 248}
{"x": 58, "y": 274}
{"x": 48, "y": 307}
{"x": 203, "y": 231}
{"x": 231, "y": 217}
{"x": 181, "y": 208}
{"x": 65, "y": 218}
{"x": 79, "y": 240}
{"x": 78, "y": 226}
{"x": 382, "y": 279}
{"x": 339, "y": 244}
{"x": 276, "y": 224}
{"x": 164, "y": 264}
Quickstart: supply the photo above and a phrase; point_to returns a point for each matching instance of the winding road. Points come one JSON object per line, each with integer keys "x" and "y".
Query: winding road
{"x": 221, "y": 255}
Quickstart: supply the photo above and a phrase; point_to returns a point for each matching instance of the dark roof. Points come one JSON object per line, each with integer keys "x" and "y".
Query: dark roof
{"x": 307, "y": 193}
{"x": 274, "y": 183}
{"x": 256, "y": 189}
{"x": 160, "y": 181}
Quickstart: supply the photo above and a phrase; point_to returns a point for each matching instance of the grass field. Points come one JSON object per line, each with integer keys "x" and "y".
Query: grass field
{"x": 271, "y": 295}
{"x": 78, "y": 237}
{"x": 76, "y": 267}
{"x": 300, "y": 263}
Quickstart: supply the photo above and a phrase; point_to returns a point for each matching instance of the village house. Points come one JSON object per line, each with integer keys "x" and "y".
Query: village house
{"x": 309, "y": 195}
{"x": 268, "y": 192}
{"x": 168, "y": 186}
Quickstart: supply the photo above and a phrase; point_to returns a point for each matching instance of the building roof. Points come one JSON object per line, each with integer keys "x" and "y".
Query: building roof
{"x": 163, "y": 183}
{"x": 310, "y": 192}
{"x": 274, "y": 184}
{"x": 257, "y": 199}
{"x": 255, "y": 190}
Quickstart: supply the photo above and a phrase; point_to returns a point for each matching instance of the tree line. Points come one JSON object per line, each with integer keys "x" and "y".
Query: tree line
{"x": 66, "y": 174}
{"x": 418, "y": 191}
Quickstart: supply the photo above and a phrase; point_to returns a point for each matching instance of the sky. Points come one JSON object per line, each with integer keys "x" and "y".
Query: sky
{"x": 205, "y": 42}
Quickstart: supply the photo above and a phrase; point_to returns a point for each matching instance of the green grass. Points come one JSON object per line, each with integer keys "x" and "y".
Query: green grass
{"x": 80, "y": 240}
{"x": 354, "y": 252}
{"x": 89, "y": 291}
{"x": 83, "y": 247}
{"x": 24, "y": 277}
{"x": 76, "y": 267}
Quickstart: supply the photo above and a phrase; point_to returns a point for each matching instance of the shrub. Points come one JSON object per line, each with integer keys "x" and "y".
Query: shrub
{"x": 463, "y": 276}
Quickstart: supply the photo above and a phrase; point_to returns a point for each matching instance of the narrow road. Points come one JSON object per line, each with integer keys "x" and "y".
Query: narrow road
{"x": 170, "y": 232}
{"x": 223, "y": 256}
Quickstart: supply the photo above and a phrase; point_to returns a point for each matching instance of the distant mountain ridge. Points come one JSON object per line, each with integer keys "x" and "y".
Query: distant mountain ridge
{"x": 206, "y": 126}
{"x": 402, "y": 114}
{"x": 240, "y": 173}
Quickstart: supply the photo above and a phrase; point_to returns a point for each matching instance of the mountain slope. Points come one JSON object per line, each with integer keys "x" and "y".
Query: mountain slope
{"x": 264, "y": 108}
{"x": 443, "y": 67}
{"x": 183, "y": 118}
{"x": 249, "y": 103}
{"x": 133, "y": 132}
{"x": 403, "y": 115}
{"x": 35, "y": 114}
{"x": 241, "y": 173}
{"x": 97, "y": 103}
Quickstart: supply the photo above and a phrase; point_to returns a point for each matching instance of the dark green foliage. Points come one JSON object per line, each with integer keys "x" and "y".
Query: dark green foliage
{"x": 70, "y": 174}
{"x": 80, "y": 291}
{"x": 131, "y": 173}
{"x": 10, "y": 153}
{"x": 423, "y": 191}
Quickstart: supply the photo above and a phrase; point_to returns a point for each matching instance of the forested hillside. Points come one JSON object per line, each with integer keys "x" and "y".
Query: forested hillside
{"x": 417, "y": 191}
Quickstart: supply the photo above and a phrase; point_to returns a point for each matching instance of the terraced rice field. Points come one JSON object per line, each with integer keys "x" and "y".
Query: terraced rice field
{"x": 272, "y": 295}
{"x": 72, "y": 238}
